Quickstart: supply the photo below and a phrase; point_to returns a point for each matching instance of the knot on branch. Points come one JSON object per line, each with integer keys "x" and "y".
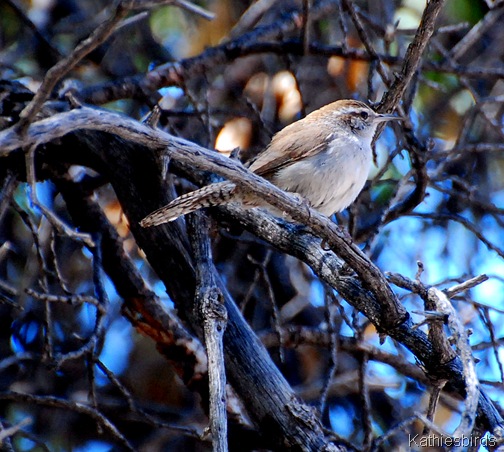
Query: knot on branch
{"x": 211, "y": 307}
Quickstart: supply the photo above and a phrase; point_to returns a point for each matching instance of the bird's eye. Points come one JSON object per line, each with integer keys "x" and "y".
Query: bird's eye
{"x": 364, "y": 115}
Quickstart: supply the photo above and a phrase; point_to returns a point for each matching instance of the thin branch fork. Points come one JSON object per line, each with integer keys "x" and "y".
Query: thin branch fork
{"x": 438, "y": 300}
{"x": 141, "y": 306}
{"x": 76, "y": 407}
{"x": 462, "y": 343}
{"x": 60, "y": 69}
{"x": 413, "y": 57}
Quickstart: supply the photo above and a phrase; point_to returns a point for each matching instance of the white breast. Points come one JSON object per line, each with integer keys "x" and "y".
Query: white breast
{"x": 331, "y": 179}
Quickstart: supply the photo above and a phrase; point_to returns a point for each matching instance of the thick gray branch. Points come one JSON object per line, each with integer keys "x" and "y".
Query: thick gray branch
{"x": 187, "y": 153}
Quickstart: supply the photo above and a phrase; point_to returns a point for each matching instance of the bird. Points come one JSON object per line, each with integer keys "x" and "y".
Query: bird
{"x": 324, "y": 158}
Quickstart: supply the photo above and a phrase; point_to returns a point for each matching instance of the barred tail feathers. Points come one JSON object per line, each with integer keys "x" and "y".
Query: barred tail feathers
{"x": 211, "y": 195}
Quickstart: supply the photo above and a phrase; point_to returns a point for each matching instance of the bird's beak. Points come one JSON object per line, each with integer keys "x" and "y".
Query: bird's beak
{"x": 385, "y": 117}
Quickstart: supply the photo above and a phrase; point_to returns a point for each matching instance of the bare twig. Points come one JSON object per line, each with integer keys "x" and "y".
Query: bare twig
{"x": 182, "y": 4}
{"x": 462, "y": 343}
{"x": 475, "y": 33}
{"x": 413, "y": 57}
{"x": 7, "y": 190}
{"x": 485, "y": 315}
{"x": 33, "y": 28}
{"x": 251, "y": 16}
{"x": 210, "y": 305}
{"x": 330, "y": 301}
{"x": 57, "y": 223}
{"x": 306, "y": 28}
{"x": 145, "y": 417}
{"x": 349, "y": 5}
{"x": 66, "y": 299}
{"x": 263, "y": 273}
{"x": 365, "y": 402}
{"x": 433, "y": 401}
{"x": 466, "y": 285}
{"x": 214, "y": 324}
{"x": 11, "y": 431}
{"x": 60, "y": 69}
{"x": 75, "y": 407}
{"x": 469, "y": 225}
{"x": 194, "y": 9}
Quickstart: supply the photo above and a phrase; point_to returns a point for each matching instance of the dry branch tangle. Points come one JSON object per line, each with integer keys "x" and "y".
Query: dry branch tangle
{"x": 381, "y": 307}
{"x": 389, "y": 317}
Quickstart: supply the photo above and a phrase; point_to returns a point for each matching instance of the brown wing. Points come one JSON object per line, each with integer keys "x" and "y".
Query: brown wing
{"x": 290, "y": 145}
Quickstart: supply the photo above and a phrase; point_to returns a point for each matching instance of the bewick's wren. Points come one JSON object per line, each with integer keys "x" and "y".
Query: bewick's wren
{"x": 324, "y": 157}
